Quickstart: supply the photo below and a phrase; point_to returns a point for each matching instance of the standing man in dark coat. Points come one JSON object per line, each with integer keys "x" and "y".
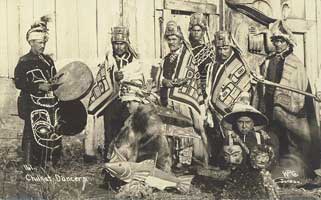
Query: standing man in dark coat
{"x": 37, "y": 104}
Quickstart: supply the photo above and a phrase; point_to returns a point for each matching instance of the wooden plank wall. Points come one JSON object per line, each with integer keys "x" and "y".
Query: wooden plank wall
{"x": 79, "y": 28}
{"x": 12, "y": 34}
{"x": 3, "y": 39}
{"x": 318, "y": 52}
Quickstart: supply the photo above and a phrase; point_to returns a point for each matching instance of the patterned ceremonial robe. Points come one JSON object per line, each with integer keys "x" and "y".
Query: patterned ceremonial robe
{"x": 106, "y": 88}
{"x": 226, "y": 81}
{"x": 104, "y": 98}
{"x": 204, "y": 57}
{"x": 180, "y": 66}
{"x": 186, "y": 99}
{"x": 286, "y": 110}
{"x": 40, "y": 143}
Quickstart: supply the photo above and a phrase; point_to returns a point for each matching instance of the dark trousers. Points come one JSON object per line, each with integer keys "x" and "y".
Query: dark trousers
{"x": 293, "y": 151}
{"x": 33, "y": 153}
{"x": 114, "y": 117}
{"x": 215, "y": 143}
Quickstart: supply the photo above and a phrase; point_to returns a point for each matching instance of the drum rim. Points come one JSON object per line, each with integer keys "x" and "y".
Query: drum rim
{"x": 86, "y": 92}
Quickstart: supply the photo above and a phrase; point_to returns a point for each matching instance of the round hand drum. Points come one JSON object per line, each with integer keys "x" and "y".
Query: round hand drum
{"x": 71, "y": 117}
{"x": 75, "y": 81}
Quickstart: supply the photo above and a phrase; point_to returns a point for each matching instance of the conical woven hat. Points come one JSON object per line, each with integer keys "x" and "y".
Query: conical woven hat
{"x": 243, "y": 108}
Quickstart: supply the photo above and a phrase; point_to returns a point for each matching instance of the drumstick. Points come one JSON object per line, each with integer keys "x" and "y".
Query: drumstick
{"x": 56, "y": 78}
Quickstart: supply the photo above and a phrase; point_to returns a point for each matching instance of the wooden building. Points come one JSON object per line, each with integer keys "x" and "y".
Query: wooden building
{"x": 81, "y": 28}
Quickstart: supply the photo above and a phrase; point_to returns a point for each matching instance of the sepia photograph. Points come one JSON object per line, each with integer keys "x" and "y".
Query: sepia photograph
{"x": 160, "y": 99}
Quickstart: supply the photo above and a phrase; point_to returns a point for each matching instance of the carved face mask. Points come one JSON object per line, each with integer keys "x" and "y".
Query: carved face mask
{"x": 233, "y": 154}
{"x": 261, "y": 157}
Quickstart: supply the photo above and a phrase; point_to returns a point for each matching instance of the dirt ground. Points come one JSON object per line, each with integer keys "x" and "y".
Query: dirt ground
{"x": 87, "y": 179}
{"x": 76, "y": 180}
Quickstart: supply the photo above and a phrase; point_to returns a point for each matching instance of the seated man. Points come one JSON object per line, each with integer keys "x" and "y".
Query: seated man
{"x": 141, "y": 137}
{"x": 245, "y": 124}
{"x": 248, "y": 153}
{"x": 151, "y": 131}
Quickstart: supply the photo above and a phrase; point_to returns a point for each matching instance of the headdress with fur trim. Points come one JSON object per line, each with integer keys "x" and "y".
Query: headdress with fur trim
{"x": 198, "y": 19}
{"x": 280, "y": 29}
{"x": 222, "y": 38}
{"x": 39, "y": 30}
{"x": 121, "y": 34}
{"x": 173, "y": 29}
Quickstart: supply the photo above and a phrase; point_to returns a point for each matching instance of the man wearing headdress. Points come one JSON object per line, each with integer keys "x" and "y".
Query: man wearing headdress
{"x": 203, "y": 53}
{"x": 287, "y": 110}
{"x": 104, "y": 98}
{"x": 227, "y": 79}
{"x": 180, "y": 87}
{"x": 37, "y": 105}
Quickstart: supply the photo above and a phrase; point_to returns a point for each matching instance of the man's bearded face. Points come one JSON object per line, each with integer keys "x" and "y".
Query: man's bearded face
{"x": 245, "y": 125}
{"x": 119, "y": 48}
{"x": 233, "y": 154}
